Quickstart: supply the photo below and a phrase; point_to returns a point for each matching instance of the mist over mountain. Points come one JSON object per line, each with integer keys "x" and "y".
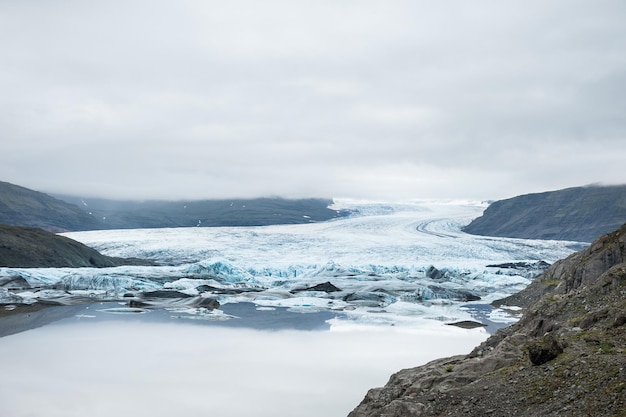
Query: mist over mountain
{"x": 21, "y": 206}
{"x": 25, "y": 207}
{"x": 579, "y": 214}
{"x": 125, "y": 214}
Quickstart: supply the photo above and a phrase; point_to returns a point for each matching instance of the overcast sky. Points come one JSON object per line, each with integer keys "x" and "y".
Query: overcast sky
{"x": 365, "y": 99}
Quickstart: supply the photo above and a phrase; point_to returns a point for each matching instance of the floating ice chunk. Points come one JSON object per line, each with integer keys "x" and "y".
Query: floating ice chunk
{"x": 300, "y": 304}
{"x": 219, "y": 270}
{"x": 124, "y": 310}
{"x": 511, "y": 308}
{"x": 505, "y": 315}
{"x": 200, "y": 314}
{"x": 369, "y": 299}
{"x": 407, "y": 309}
{"x": 9, "y": 298}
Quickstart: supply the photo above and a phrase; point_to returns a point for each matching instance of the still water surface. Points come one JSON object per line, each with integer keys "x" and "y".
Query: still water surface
{"x": 265, "y": 363}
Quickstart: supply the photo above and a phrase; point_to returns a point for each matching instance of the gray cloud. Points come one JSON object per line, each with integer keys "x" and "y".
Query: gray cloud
{"x": 403, "y": 99}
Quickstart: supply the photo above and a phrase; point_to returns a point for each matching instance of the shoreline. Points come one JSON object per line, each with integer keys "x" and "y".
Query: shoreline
{"x": 235, "y": 315}
{"x": 16, "y": 318}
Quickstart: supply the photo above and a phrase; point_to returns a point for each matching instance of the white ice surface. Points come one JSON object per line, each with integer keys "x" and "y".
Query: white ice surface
{"x": 384, "y": 246}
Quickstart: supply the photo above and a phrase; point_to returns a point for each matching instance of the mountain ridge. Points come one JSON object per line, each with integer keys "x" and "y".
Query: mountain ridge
{"x": 21, "y": 206}
{"x": 30, "y": 247}
{"x": 578, "y": 214}
{"x": 262, "y": 211}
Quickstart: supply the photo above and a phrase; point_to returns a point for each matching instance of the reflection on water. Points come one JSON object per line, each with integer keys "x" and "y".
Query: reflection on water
{"x": 232, "y": 315}
{"x": 100, "y": 364}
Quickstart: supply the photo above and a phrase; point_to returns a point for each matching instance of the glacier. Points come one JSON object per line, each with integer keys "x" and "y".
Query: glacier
{"x": 389, "y": 263}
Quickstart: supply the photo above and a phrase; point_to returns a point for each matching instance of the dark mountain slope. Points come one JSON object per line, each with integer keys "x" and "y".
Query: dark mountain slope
{"x": 23, "y": 207}
{"x": 565, "y": 357}
{"x": 29, "y": 247}
{"x": 188, "y": 213}
{"x": 579, "y": 214}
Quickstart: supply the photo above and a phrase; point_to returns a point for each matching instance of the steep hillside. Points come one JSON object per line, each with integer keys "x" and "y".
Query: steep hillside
{"x": 580, "y": 214}
{"x": 28, "y": 247}
{"x": 23, "y": 207}
{"x": 565, "y": 357}
{"x": 188, "y": 213}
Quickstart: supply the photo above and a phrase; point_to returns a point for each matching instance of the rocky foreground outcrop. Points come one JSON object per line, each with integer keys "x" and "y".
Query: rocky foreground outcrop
{"x": 565, "y": 357}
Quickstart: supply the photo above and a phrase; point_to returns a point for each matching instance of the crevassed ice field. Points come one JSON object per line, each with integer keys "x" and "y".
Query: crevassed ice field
{"x": 380, "y": 260}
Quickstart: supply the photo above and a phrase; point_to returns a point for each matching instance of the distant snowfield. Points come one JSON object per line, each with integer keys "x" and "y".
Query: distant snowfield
{"x": 378, "y": 258}
{"x": 404, "y": 235}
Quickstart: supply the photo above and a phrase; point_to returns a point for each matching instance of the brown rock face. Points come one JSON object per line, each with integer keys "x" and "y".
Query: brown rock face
{"x": 544, "y": 350}
{"x": 565, "y": 357}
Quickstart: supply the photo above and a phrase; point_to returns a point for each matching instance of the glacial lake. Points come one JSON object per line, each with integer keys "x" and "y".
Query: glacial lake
{"x": 100, "y": 362}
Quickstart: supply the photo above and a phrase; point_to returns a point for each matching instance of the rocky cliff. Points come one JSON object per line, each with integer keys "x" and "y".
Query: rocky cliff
{"x": 565, "y": 357}
{"x": 579, "y": 214}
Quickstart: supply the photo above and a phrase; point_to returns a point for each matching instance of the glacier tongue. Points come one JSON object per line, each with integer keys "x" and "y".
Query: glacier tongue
{"x": 404, "y": 260}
